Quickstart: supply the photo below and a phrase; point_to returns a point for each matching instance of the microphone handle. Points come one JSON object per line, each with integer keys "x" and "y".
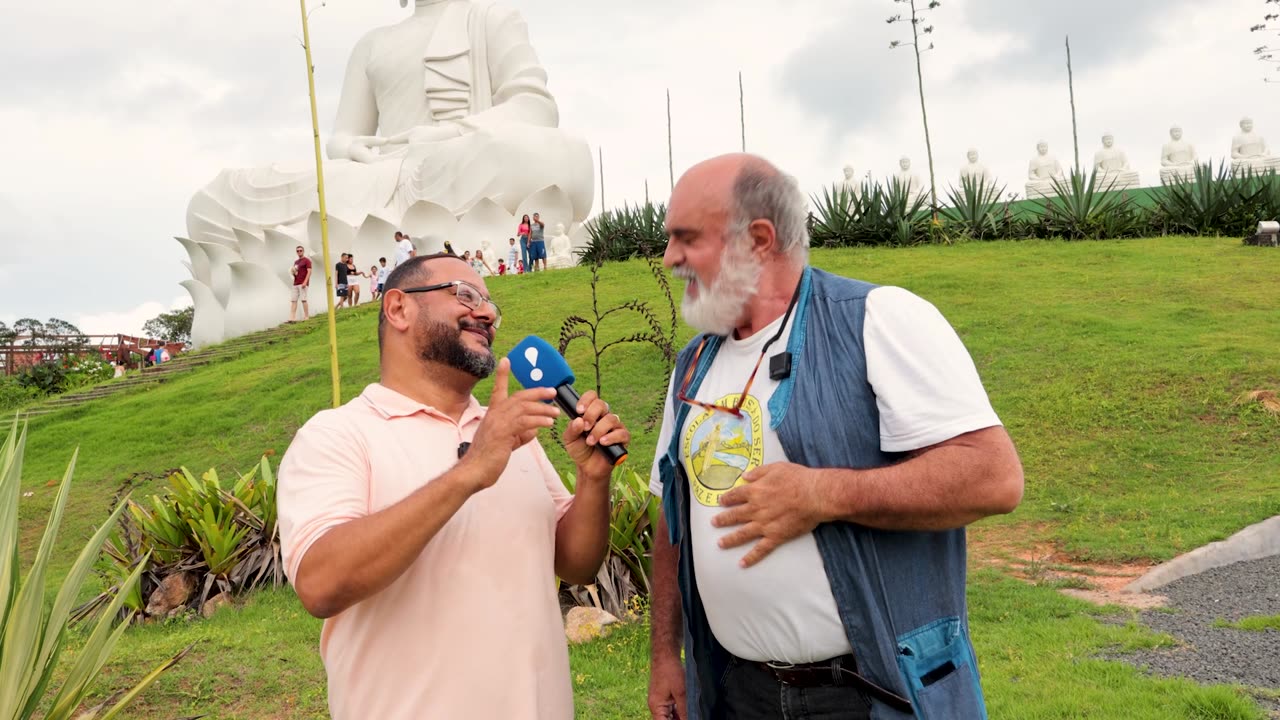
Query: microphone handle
{"x": 567, "y": 398}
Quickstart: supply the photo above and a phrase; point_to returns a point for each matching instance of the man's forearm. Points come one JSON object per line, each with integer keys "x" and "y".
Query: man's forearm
{"x": 946, "y": 486}
{"x": 362, "y": 557}
{"x": 666, "y": 619}
{"x": 582, "y": 535}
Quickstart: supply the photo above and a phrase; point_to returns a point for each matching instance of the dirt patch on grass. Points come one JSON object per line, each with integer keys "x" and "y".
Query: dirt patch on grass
{"x": 1026, "y": 552}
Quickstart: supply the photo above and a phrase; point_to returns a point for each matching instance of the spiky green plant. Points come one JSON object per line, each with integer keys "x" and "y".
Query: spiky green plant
{"x": 626, "y": 232}
{"x": 628, "y": 567}
{"x": 876, "y": 215}
{"x": 1085, "y": 208}
{"x": 228, "y": 537}
{"x": 1209, "y": 203}
{"x": 33, "y": 633}
{"x": 976, "y": 210}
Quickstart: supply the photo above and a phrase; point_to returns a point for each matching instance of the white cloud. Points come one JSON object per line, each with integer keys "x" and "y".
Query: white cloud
{"x": 127, "y": 322}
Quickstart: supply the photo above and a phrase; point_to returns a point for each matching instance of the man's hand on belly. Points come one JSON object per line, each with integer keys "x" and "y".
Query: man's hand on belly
{"x": 780, "y": 502}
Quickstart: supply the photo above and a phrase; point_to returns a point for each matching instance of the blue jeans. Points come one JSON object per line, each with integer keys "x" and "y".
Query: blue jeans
{"x": 524, "y": 252}
{"x": 753, "y": 693}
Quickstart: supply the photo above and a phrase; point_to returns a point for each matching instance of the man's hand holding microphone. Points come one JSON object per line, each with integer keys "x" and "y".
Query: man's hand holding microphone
{"x": 595, "y": 438}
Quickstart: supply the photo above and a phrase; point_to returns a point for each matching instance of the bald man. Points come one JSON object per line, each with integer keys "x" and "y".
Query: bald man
{"x": 428, "y": 530}
{"x": 825, "y": 442}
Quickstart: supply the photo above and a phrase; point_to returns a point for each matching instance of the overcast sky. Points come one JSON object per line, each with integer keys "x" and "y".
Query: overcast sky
{"x": 113, "y": 113}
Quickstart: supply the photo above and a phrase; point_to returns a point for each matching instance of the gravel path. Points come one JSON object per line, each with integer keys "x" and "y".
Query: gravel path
{"x": 1213, "y": 654}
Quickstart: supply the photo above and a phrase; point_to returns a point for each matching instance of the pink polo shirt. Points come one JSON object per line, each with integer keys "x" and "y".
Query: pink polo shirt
{"x": 472, "y": 629}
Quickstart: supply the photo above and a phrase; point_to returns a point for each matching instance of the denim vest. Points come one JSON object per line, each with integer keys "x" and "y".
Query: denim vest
{"x": 900, "y": 595}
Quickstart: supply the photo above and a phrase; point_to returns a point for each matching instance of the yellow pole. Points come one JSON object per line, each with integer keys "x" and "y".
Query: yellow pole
{"x": 324, "y": 216}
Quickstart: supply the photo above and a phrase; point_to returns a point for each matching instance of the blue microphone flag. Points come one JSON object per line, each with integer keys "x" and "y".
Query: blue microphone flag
{"x": 535, "y": 363}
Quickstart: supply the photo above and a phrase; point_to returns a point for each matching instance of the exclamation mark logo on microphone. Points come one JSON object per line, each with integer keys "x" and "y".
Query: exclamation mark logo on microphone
{"x": 531, "y": 354}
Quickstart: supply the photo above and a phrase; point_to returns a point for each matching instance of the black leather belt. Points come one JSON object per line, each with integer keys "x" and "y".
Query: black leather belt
{"x": 837, "y": 672}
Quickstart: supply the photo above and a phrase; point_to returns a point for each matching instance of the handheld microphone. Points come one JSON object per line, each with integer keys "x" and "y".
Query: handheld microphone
{"x": 535, "y": 363}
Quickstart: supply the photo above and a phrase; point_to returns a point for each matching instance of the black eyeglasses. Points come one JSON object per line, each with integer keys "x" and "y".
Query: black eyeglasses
{"x": 469, "y": 295}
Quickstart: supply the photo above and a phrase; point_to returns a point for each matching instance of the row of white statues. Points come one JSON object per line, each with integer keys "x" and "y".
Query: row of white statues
{"x": 1178, "y": 160}
{"x": 445, "y": 129}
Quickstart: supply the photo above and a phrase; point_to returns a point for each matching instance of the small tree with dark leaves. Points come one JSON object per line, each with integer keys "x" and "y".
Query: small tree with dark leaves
{"x": 172, "y": 326}
{"x": 663, "y": 339}
{"x": 920, "y": 28}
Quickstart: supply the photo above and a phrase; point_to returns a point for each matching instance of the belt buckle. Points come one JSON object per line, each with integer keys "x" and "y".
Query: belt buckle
{"x": 780, "y": 666}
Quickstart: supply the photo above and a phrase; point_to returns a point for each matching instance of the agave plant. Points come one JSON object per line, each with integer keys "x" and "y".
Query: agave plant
{"x": 621, "y": 234}
{"x": 33, "y": 633}
{"x": 975, "y": 208}
{"x": 1084, "y": 208}
{"x": 1209, "y": 203}
{"x": 836, "y": 222}
{"x": 908, "y": 218}
{"x": 876, "y": 215}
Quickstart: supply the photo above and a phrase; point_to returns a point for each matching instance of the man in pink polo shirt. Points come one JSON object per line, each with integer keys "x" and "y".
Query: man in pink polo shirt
{"x": 428, "y": 530}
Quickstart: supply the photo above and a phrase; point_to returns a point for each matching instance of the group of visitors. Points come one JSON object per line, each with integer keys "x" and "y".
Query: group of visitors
{"x": 524, "y": 256}
{"x": 346, "y": 277}
{"x": 533, "y": 245}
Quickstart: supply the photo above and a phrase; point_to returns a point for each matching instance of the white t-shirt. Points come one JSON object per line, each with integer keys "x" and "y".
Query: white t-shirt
{"x": 383, "y": 272}
{"x": 403, "y": 248}
{"x": 927, "y": 390}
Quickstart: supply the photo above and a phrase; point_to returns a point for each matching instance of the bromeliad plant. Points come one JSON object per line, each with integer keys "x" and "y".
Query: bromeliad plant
{"x": 33, "y": 633}
{"x": 628, "y": 568}
{"x": 227, "y": 537}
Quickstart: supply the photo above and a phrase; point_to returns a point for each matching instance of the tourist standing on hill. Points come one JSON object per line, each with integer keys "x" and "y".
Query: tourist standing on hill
{"x": 513, "y": 253}
{"x": 428, "y": 530}
{"x": 537, "y": 242}
{"x": 404, "y": 248}
{"x": 301, "y": 272}
{"x": 522, "y": 232}
{"x": 824, "y": 444}
{"x": 382, "y": 271}
{"x": 353, "y": 279}
{"x": 340, "y": 273}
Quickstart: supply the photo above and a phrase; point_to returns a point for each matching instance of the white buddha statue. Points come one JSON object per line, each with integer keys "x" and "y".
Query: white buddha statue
{"x": 449, "y": 106}
{"x": 1249, "y": 151}
{"x": 908, "y": 179}
{"x": 1177, "y": 158}
{"x": 1112, "y": 166}
{"x": 849, "y": 183}
{"x": 560, "y": 249}
{"x": 975, "y": 171}
{"x": 1043, "y": 170}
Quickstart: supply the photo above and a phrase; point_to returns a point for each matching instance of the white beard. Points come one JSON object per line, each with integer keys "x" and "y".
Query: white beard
{"x": 719, "y": 308}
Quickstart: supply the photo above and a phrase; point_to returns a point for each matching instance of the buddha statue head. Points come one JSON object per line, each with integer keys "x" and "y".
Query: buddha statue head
{"x": 559, "y": 229}
{"x": 848, "y": 172}
{"x": 1246, "y": 124}
{"x": 973, "y": 156}
{"x": 1108, "y": 140}
{"x": 1042, "y": 147}
{"x": 905, "y": 163}
{"x": 1175, "y": 133}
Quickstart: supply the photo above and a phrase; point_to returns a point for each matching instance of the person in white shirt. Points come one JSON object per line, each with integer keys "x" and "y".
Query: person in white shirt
{"x": 404, "y": 248}
{"x": 513, "y": 255}
{"x": 382, "y": 272}
{"x": 789, "y": 483}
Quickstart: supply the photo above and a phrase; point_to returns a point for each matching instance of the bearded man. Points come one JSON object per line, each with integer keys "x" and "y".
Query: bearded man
{"x": 428, "y": 530}
{"x": 825, "y": 442}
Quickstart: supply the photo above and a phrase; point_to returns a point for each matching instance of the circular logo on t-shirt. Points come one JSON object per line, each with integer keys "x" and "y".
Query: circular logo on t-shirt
{"x": 718, "y": 447}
